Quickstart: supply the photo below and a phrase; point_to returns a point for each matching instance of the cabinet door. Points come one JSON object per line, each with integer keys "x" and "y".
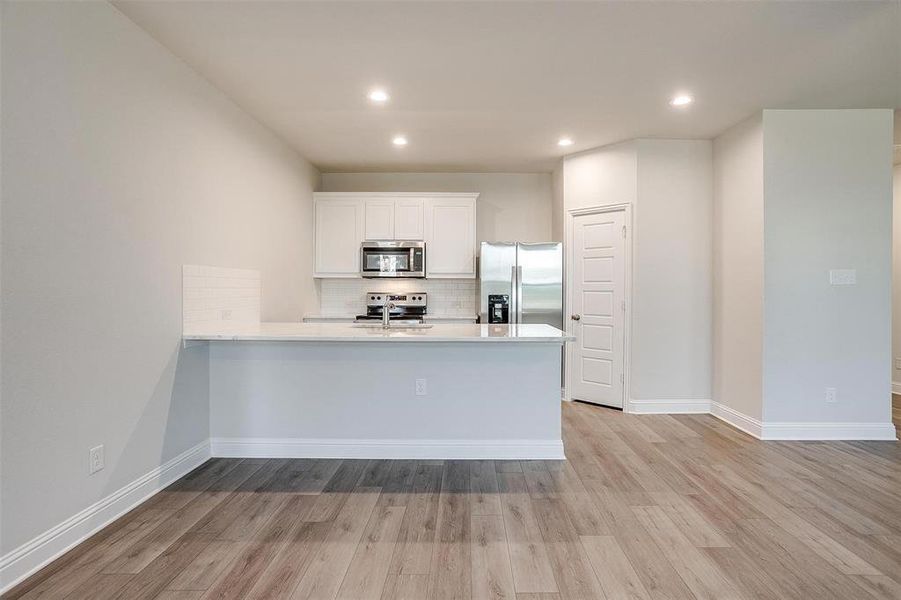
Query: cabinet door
{"x": 339, "y": 232}
{"x": 379, "y": 219}
{"x": 408, "y": 218}
{"x": 450, "y": 238}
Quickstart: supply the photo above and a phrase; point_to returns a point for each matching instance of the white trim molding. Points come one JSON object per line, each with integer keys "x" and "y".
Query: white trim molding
{"x": 388, "y": 449}
{"x": 33, "y": 555}
{"x": 670, "y": 406}
{"x": 813, "y": 431}
{"x": 739, "y": 420}
{"x": 829, "y": 431}
{"x": 896, "y": 387}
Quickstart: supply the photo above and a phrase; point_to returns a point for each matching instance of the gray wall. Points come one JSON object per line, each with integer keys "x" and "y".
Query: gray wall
{"x": 668, "y": 184}
{"x": 558, "y": 225}
{"x": 511, "y": 207}
{"x": 896, "y": 279}
{"x": 738, "y": 268}
{"x": 673, "y": 274}
{"x": 121, "y": 165}
{"x": 800, "y": 192}
{"x": 827, "y": 205}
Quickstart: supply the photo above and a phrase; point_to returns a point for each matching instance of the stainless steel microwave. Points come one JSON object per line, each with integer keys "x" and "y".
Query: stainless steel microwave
{"x": 392, "y": 259}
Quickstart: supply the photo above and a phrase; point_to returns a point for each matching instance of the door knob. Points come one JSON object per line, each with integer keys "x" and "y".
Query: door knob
{"x": 576, "y": 317}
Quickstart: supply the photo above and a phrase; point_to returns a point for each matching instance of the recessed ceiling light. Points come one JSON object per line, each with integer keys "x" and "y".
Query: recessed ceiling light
{"x": 681, "y": 100}
{"x": 565, "y": 141}
{"x": 379, "y": 96}
{"x": 399, "y": 140}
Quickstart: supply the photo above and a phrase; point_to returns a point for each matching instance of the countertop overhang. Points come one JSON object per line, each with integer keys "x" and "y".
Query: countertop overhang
{"x": 345, "y": 332}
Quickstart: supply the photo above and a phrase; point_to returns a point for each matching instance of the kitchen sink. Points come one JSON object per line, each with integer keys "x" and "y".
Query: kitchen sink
{"x": 403, "y": 327}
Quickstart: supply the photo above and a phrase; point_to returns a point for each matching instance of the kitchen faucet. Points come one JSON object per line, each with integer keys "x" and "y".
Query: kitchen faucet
{"x": 386, "y": 313}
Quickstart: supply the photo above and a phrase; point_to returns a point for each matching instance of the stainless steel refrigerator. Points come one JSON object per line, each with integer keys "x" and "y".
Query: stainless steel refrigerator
{"x": 521, "y": 283}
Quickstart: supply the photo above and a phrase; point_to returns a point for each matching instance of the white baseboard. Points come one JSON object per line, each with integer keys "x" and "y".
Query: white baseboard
{"x": 814, "y": 431}
{"x": 397, "y": 449}
{"x": 25, "y": 560}
{"x": 741, "y": 421}
{"x": 669, "y": 407}
{"x": 829, "y": 431}
{"x": 896, "y": 387}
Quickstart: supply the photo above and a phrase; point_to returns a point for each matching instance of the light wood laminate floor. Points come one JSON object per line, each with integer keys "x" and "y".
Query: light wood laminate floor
{"x": 645, "y": 507}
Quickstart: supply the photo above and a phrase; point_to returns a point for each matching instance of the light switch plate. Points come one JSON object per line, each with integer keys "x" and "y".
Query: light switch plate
{"x": 843, "y": 276}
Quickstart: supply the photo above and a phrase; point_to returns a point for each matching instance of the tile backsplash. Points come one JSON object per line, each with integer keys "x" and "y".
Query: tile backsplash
{"x": 447, "y": 297}
{"x": 218, "y": 294}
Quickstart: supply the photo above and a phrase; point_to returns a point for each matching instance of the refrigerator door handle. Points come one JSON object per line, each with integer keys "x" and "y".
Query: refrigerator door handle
{"x": 514, "y": 301}
{"x": 518, "y": 294}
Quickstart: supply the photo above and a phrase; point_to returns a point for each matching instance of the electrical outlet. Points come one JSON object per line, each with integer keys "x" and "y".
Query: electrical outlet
{"x": 831, "y": 395}
{"x": 96, "y": 460}
{"x": 421, "y": 389}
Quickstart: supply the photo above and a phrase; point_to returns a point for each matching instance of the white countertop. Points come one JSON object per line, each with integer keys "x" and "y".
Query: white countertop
{"x": 346, "y": 332}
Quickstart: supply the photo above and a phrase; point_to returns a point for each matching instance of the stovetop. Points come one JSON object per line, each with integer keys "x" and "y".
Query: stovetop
{"x": 408, "y": 306}
{"x": 400, "y": 300}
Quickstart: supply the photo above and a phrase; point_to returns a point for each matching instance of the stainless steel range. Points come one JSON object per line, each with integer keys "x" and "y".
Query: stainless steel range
{"x": 407, "y": 307}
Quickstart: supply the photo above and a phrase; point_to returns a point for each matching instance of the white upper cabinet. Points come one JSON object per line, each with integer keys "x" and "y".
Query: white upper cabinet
{"x": 339, "y": 233}
{"x": 445, "y": 221}
{"x": 450, "y": 237}
{"x": 379, "y": 219}
{"x": 409, "y": 214}
{"x": 394, "y": 218}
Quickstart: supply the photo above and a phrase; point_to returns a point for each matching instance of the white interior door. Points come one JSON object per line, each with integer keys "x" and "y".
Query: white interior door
{"x": 598, "y": 308}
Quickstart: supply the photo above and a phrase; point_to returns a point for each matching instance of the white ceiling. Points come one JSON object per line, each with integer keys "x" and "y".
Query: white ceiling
{"x": 491, "y": 86}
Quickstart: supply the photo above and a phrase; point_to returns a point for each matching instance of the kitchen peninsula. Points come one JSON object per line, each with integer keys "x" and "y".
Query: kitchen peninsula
{"x": 325, "y": 390}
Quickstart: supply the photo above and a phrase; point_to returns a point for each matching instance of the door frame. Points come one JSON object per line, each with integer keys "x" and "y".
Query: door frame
{"x": 571, "y": 215}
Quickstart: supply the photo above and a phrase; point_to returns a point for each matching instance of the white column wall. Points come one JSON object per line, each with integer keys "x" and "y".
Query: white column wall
{"x": 828, "y": 205}
{"x": 672, "y": 277}
{"x": 738, "y": 268}
{"x": 798, "y": 193}
{"x": 896, "y": 280}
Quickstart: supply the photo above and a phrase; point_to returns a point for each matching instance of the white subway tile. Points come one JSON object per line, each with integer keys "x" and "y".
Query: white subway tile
{"x": 446, "y": 297}
{"x": 212, "y": 294}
